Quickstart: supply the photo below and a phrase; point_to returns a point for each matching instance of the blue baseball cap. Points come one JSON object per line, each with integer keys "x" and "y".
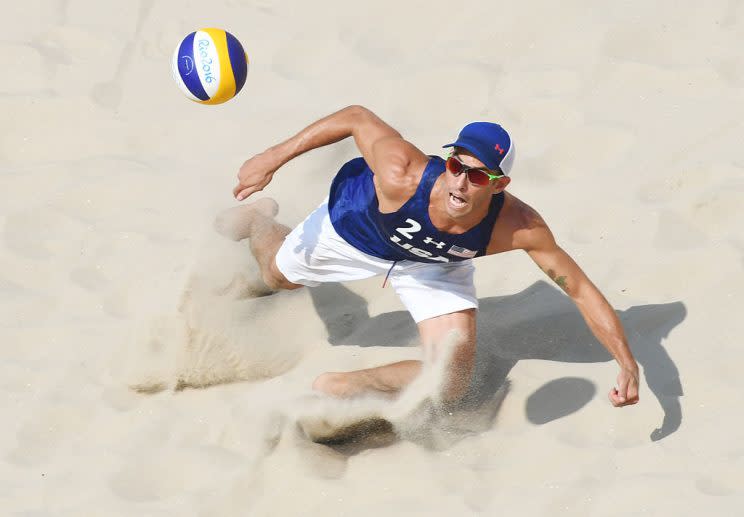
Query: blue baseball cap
{"x": 488, "y": 142}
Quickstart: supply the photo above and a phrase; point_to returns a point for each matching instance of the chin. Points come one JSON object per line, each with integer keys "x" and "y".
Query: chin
{"x": 456, "y": 213}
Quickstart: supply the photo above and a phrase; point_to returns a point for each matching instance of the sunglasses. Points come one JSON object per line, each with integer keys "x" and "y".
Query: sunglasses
{"x": 476, "y": 175}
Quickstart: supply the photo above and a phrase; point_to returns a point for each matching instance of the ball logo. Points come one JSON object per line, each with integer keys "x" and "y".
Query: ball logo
{"x": 206, "y": 61}
{"x": 188, "y": 64}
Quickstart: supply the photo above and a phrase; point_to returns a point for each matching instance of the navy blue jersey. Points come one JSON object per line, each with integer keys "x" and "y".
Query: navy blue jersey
{"x": 408, "y": 233}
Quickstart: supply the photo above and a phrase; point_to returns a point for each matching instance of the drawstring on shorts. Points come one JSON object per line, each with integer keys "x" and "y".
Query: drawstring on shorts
{"x": 384, "y": 282}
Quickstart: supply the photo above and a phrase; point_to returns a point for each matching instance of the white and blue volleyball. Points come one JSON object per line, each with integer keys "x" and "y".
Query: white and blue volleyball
{"x": 210, "y": 66}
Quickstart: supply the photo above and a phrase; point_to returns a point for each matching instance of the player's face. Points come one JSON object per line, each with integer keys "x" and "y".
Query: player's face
{"x": 464, "y": 195}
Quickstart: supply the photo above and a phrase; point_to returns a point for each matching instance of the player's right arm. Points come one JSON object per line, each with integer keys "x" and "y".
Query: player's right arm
{"x": 393, "y": 160}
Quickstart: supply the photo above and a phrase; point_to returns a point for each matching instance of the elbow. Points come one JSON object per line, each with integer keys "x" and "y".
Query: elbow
{"x": 358, "y": 112}
{"x": 355, "y": 108}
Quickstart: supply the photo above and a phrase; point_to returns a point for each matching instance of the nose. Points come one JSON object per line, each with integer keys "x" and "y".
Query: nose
{"x": 461, "y": 182}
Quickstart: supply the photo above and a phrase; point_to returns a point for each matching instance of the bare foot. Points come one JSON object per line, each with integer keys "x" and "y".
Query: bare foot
{"x": 237, "y": 223}
{"x": 335, "y": 385}
{"x": 345, "y": 385}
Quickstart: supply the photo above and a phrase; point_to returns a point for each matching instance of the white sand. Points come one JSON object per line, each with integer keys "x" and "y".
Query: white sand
{"x": 628, "y": 120}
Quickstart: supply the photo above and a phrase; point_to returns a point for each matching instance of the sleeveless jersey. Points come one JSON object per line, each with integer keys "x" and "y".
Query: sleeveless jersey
{"x": 408, "y": 233}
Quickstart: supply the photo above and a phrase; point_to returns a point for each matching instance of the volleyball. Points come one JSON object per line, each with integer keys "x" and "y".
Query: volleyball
{"x": 210, "y": 66}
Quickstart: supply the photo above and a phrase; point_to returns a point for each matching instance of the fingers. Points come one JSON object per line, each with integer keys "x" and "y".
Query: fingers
{"x": 619, "y": 400}
{"x": 238, "y": 189}
{"x": 250, "y": 185}
{"x": 241, "y": 192}
{"x": 626, "y": 392}
{"x": 615, "y": 398}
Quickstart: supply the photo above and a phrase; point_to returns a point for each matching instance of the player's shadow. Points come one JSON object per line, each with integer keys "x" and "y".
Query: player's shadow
{"x": 538, "y": 323}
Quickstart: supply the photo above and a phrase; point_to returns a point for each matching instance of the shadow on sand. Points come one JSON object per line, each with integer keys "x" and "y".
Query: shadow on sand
{"x": 538, "y": 323}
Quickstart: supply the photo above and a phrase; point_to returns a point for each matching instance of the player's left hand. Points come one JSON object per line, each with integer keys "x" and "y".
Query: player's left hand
{"x": 626, "y": 392}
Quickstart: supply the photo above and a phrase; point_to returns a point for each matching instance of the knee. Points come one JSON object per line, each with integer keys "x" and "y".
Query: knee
{"x": 271, "y": 280}
{"x": 275, "y": 279}
{"x": 454, "y": 345}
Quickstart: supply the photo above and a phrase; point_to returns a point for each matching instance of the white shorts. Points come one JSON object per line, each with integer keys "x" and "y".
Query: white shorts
{"x": 313, "y": 253}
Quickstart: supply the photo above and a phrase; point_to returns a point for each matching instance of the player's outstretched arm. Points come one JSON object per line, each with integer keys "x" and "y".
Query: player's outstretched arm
{"x": 539, "y": 243}
{"x": 381, "y": 146}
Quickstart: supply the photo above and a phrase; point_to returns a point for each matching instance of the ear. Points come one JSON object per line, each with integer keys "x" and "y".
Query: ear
{"x": 500, "y": 184}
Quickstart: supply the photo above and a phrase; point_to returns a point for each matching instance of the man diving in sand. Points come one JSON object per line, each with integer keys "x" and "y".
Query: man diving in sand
{"x": 419, "y": 221}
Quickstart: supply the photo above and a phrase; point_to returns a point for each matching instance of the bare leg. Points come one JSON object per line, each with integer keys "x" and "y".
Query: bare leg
{"x": 459, "y": 371}
{"x": 389, "y": 379}
{"x": 256, "y": 221}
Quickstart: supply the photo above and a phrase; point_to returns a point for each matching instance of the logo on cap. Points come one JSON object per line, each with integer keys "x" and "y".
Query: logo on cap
{"x": 499, "y": 149}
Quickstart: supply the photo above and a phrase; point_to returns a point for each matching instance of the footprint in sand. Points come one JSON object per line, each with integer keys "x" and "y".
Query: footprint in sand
{"x": 89, "y": 278}
{"x": 29, "y": 73}
{"x": 297, "y": 58}
{"x": 43, "y": 434}
{"x": 114, "y": 302}
{"x": 676, "y": 183}
{"x": 20, "y": 305}
{"x": 26, "y": 233}
{"x": 109, "y": 94}
{"x": 717, "y": 210}
{"x": 155, "y": 475}
{"x": 722, "y": 476}
{"x": 675, "y": 232}
{"x": 731, "y": 70}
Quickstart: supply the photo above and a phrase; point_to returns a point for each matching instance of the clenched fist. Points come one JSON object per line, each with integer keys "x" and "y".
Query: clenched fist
{"x": 626, "y": 392}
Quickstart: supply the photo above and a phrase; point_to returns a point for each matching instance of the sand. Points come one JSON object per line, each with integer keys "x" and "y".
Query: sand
{"x": 142, "y": 372}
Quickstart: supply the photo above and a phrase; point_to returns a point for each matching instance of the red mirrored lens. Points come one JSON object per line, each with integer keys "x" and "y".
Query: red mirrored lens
{"x": 454, "y": 166}
{"x": 478, "y": 177}
{"x": 475, "y": 176}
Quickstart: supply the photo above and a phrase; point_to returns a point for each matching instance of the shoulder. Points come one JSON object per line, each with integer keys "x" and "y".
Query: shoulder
{"x": 397, "y": 157}
{"x": 398, "y": 167}
{"x": 519, "y": 227}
